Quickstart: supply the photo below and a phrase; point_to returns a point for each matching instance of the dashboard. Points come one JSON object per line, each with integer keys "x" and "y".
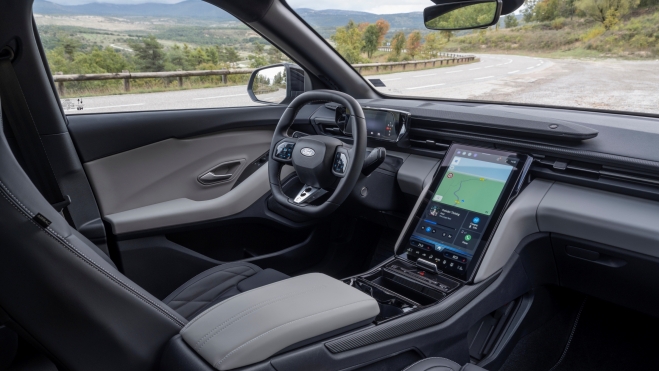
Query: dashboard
{"x": 591, "y": 191}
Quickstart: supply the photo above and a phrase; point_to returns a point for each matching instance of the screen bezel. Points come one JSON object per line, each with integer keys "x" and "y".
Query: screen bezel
{"x": 511, "y": 187}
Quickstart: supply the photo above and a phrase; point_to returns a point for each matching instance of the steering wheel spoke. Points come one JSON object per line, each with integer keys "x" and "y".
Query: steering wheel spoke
{"x": 283, "y": 151}
{"x": 308, "y": 194}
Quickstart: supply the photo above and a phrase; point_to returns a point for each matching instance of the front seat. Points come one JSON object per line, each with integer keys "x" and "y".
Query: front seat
{"x": 65, "y": 295}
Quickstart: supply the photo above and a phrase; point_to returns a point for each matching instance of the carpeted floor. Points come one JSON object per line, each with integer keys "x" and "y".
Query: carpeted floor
{"x": 606, "y": 338}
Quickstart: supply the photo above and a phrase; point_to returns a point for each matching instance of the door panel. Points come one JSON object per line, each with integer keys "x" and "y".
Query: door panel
{"x": 158, "y": 186}
{"x": 169, "y": 169}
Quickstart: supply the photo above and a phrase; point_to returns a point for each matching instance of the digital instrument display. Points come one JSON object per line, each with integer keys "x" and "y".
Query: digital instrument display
{"x": 472, "y": 183}
{"x": 383, "y": 124}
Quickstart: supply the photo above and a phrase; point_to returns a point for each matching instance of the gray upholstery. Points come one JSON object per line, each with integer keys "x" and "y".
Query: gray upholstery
{"x": 441, "y": 364}
{"x": 216, "y": 284}
{"x": 69, "y": 296}
{"x": 255, "y": 325}
{"x": 64, "y": 293}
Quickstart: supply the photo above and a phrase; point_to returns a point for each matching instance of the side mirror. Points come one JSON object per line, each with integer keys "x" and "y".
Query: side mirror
{"x": 454, "y": 16}
{"x": 276, "y": 84}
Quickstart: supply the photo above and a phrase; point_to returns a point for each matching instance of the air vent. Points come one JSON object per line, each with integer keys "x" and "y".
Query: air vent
{"x": 429, "y": 144}
{"x": 592, "y": 171}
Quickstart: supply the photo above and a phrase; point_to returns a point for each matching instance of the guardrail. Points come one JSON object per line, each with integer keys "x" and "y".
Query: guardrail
{"x": 60, "y": 78}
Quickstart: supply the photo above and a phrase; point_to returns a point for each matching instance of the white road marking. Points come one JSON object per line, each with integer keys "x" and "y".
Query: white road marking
{"x": 123, "y": 105}
{"x": 455, "y": 71}
{"x": 474, "y": 69}
{"x": 425, "y": 86}
{"x": 398, "y": 78}
{"x": 487, "y": 67}
{"x": 530, "y": 68}
{"x": 220, "y": 96}
{"x": 431, "y": 74}
{"x": 511, "y": 72}
{"x": 482, "y": 78}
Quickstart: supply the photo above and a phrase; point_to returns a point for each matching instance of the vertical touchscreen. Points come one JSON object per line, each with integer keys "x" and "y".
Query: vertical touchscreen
{"x": 452, "y": 225}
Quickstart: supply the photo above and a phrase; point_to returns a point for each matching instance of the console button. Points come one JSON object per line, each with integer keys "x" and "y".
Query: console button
{"x": 456, "y": 257}
{"x": 421, "y": 245}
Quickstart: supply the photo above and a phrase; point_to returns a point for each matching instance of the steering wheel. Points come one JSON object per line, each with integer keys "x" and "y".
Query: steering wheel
{"x": 319, "y": 161}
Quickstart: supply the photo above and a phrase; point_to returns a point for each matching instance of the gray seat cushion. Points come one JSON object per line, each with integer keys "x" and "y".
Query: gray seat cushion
{"x": 441, "y": 364}
{"x": 217, "y": 284}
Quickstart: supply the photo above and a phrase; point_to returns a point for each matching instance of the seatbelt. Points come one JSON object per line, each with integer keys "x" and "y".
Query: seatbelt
{"x": 37, "y": 165}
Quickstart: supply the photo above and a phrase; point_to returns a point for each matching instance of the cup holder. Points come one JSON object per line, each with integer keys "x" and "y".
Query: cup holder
{"x": 391, "y": 305}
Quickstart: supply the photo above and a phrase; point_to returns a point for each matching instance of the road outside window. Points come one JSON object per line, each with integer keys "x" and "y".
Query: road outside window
{"x": 151, "y": 56}
{"x": 593, "y": 54}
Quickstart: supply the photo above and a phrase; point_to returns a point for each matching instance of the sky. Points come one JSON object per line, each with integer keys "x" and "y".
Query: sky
{"x": 371, "y": 6}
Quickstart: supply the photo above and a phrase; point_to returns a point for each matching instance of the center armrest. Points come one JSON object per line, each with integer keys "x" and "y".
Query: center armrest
{"x": 253, "y": 326}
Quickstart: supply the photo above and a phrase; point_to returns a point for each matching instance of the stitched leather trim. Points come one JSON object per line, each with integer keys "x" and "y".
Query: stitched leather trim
{"x": 57, "y": 237}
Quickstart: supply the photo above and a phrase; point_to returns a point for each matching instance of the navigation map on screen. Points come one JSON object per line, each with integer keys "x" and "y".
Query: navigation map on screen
{"x": 462, "y": 206}
{"x": 473, "y": 184}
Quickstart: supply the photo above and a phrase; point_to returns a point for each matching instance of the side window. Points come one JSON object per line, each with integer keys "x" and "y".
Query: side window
{"x": 144, "y": 57}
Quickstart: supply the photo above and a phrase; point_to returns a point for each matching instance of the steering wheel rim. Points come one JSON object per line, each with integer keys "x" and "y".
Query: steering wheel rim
{"x": 355, "y": 154}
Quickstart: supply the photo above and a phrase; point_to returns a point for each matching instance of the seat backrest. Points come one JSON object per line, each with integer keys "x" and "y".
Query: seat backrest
{"x": 61, "y": 289}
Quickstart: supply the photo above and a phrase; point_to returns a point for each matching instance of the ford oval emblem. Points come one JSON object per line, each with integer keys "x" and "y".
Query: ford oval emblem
{"x": 306, "y": 151}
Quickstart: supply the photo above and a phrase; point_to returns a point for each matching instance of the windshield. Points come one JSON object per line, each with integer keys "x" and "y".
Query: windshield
{"x": 594, "y": 54}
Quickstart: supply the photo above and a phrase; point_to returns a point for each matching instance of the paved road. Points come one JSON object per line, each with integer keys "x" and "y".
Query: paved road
{"x": 617, "y": 85}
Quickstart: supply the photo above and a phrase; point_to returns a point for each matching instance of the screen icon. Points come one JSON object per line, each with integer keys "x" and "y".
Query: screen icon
{"x": 476, "y": 220}
{"x": 437, "y": 198}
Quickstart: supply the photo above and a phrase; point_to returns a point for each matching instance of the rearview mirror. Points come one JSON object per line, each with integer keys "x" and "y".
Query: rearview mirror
{"x": 463, "y": 15}
{"x": 276, "y": 84}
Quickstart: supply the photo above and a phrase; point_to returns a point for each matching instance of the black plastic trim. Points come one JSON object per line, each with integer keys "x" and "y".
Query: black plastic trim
{"x": 413, "y": 322}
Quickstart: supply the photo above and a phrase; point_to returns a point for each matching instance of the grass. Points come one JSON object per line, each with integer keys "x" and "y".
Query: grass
{"x": 144, "y": 86}
{"x": 635, "y": 37}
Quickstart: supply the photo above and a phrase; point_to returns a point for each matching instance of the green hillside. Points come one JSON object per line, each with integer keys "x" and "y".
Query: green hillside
{"x": 635, "y": 35}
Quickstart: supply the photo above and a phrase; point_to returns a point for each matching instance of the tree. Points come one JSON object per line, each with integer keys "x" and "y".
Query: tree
{"x": 275, "y": 55}
{"x": 414, "y": 43}
{"x": 259, "y": 48}
{"x": 398, "y": 43}
{"x": 149, "y": 54}
{"x": 606, "y": 12}
{"x": 447, "y": 35}
{"x": 70, "y": 46}
{"x": 370, "y": 38}
{"x": 231, "y": 54}
{"x": 383, "y": 26}
{"x": 349, "y": 42}
{"x": 433, "y": 44}
{"x": 510, "y": 21}
{"x": 529, "y": 11}
{"x": 258, "y": 60}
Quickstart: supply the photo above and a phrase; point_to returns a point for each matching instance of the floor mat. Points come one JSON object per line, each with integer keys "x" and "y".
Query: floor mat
{"x": 609, "y": 337}
{"x": 606, "y": 338}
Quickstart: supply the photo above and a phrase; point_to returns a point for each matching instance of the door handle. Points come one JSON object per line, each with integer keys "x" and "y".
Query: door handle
{"x": 220, "y": 173}
{"x": 210, "y": 178}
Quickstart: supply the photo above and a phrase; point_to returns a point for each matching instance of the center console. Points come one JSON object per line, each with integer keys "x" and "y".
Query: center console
{"x": 448, "y": 232}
